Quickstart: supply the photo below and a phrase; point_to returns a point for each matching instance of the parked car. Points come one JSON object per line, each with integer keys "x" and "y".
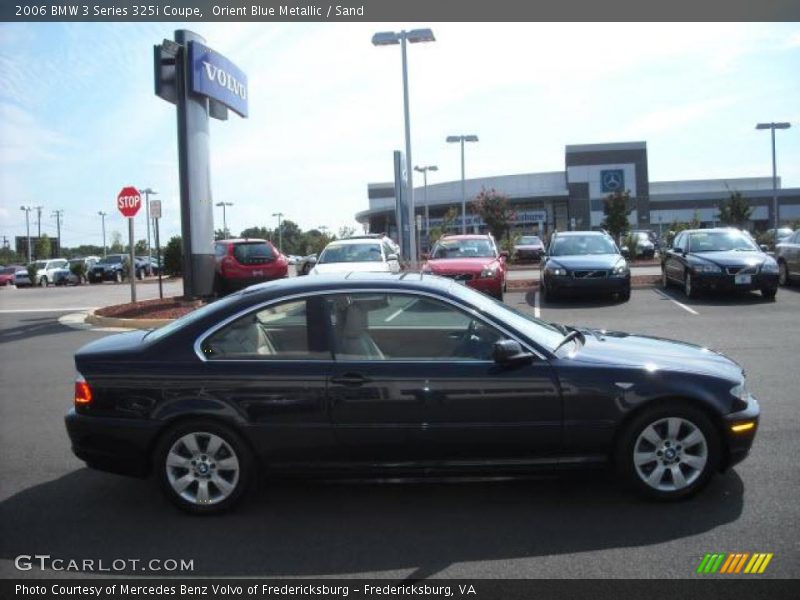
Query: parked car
{"x": 67, "y": 276}
{"x": 7, "y": 274}
{"x": 147, "y": 263}
{"x": 473, "y": 260}
{"x": 584, "y": 262}
{"x": 723, "y": 259}
{"x": 22, "y": 278}
{"x": 768, "y": 237}
{"x": 244, "y": 262}
{"x": 528, "y": 247}
{"x": 45, "y": 272}
{"x": 114, "y": 268}
{"x": 787, "y": 253}
{"x": 361, "y": 253}
{"x": 305, "y": 264}
{"x": 645, "y": 243}
{"x": 399, "y": 374}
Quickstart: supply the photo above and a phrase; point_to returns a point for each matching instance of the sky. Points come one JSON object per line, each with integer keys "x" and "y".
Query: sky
{"x": 79, "y": 119}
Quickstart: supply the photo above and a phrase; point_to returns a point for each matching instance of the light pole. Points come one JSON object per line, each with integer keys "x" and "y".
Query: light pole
{"x": 58, "y": 214}
{"x": 424, "y": 171}
{"x": 103, "y": 217}
{"x": 460, "y": 139}
{"x": 147, "y": 192}
{"x": 390, "y": 38}
{"x": 28, "y": 210}
{"x": 280, "y": 231}
{"x": 772, "y": 127}
{"x": 224, "y": 218}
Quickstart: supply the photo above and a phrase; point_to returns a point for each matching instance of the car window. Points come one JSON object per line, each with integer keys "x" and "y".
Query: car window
{"x": 278, "y": 332}
{"x": 406, "y": 327}
{"x": 220, "y": 250}
{"x": 720, "y": 241}
{"x": 582, "y": 244}
{"x": 470, "y": 248}
{"x": 529, "y": 240}
{"x": 348, "y": 253}
{"x": 253, "y": 253}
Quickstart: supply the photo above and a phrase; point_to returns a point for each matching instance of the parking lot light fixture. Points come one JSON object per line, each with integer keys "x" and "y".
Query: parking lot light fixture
{"x": 461, "y": 139}
{"x": 28, "y": 210}
{"x": 280, "y": 231}
{"x": 772, "y": 127}
{"x": 224, "y": 205}
{"x": 391, "y": 38}
{"x": 103, "y": 218}
{"x": 424, "y": 171}
{"x": 147, "y": 193}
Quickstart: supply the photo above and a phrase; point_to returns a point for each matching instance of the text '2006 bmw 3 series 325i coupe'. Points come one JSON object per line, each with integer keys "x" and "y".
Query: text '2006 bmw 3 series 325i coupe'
{"x": 398, "y": 374}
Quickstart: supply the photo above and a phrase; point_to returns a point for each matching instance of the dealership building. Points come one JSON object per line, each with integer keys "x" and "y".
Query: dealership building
{"x": 573, "y": 198}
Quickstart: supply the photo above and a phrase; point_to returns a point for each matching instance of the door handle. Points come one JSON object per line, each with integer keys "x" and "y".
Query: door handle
{"x": 350, "y": 379}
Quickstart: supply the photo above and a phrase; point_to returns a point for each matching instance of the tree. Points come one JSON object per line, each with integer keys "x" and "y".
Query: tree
{"x": 736, "y": 211}
{"x": 140, "y": 248}
{"x": 116, "y": 243}
{"x": 493, "y": 208}
{"x": 221, "y": 234}
{"x": 260, "y": 233}
{"x": 173, "y": 257}
{"x": 616, "y": 210}
{"x": 346, "y": 231}
{"x": 447, "y": 221}
{"x": 43, "y": 247}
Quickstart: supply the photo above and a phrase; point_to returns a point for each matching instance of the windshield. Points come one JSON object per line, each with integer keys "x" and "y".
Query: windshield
{"x": 349, "y": 253}
{"x": 545, "y": 334}
{"x": 110, "y": 260}
{"x": 720, "y": 241}
{"x": 40, "y": 264}
{"x": 477, "y": 248}
{"x": 8, "y": 270}
{"x": 253, "y": 253}
{"x": 583, "y": 244}
{"x": 529, "y": 240}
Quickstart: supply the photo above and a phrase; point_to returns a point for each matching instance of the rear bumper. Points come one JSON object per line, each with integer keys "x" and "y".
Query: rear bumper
{"x": 115, "y": 445}
{"x": 239, "y": 283}
{"x": 739, "y": 444}
{"x": 727, "y": 283}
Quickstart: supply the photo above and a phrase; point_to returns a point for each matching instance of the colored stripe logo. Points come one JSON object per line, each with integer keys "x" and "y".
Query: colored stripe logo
{"x": 734, "y": 563}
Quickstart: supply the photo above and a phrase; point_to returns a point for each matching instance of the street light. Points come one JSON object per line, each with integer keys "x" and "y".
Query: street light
{"x": 772, "y": 127}
{"x": 224, "y": 218}
{"x": 280, "y": 231}
{"x": 424, "y": 171}
{"x": 28, "y": 210}
{"x": 147, "y": 192}
{"x": 103, "y": 217}
{"x": 390, "y": 38}
{"x": 460, "y": 139}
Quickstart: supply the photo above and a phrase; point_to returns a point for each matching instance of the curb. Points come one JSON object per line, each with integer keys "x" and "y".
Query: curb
{"x": 100, "y": 321}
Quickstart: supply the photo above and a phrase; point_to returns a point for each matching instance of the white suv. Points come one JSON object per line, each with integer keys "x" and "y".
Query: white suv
{"x": 45, "y": 270}
{"x": 367, "y": 253}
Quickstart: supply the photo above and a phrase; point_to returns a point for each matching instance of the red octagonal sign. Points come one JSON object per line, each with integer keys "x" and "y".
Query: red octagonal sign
{"x": 129, "y": 201}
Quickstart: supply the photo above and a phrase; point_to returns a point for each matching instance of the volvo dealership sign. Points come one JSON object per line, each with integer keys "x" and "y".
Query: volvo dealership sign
{"x": 213, "y": 75}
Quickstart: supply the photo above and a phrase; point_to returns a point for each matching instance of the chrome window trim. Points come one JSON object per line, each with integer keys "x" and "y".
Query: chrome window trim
{"x": 265, "y": 304}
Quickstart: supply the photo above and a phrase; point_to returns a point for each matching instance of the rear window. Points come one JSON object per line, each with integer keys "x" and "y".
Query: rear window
{"x": 253, "y": 253}
{"x": 8, "y": 270}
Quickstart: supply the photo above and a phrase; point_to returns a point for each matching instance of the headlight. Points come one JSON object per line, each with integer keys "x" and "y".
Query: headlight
{"x": 488, "y": 272}
{"x": 769, "y": 267}
{"x": 557, "y": 271}
{"x": 621, "y": 270}
{"x": 706, "y": 269}
{"x": 739, "y": 391}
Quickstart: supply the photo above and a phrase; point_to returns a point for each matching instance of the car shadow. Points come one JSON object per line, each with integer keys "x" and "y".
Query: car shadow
{"x": 577, "y": 301}
{"x": 32, "y": 327}
{"x": 324, "y": 528}
{"x": 712, "y": 298}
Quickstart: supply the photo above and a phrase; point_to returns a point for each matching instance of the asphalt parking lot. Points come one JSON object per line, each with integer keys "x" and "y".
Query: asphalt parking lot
{"x": 575, "y": 525}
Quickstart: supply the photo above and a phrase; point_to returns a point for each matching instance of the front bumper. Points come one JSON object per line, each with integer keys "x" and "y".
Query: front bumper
{"x": 739, "y": 443}
{"x": 600, "y": 285}
{"x": 109, "y": 444}
{"x": 727, "y": 283}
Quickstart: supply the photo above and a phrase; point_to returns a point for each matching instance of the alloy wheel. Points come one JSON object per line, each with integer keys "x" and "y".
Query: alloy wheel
{"x": 670, "y": 454}
{"x": 202, "y": 468}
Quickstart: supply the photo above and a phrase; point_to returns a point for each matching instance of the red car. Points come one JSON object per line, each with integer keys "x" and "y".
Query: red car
{"x": 470, "y": 259}
{"x": 7, "y": 274}
{"x": 244, "y": 262}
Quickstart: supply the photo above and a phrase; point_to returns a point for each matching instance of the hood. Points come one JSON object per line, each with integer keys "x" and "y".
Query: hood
{"x": 346, "y": 267}
{"x": 460, "y": 265}
{"x": 733, "y": 258}
{"x": 114, "y": 346}
{"x": 586, "y": 261}
{"x": 625, "y": 349}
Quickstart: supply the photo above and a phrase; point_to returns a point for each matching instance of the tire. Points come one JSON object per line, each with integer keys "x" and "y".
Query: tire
{"x": 547, "y": 296}
{"x": 118, "y": 277}
{"x": 769, "y": 293}
{"x": 688, "y": 288}
{"x": 783, "y": 274}
{"x": 188, "y": 444}
{"x": 624, "y": 296}
{"x": 43, "y": 281}
{"x": 653, "y": 457}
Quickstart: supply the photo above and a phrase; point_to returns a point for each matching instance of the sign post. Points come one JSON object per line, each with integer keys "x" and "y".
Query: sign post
{"x": 129, "y": 202}
{"x": 155, "y": 213}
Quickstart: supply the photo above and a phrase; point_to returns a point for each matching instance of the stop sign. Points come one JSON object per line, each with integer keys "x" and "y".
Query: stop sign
{"x": 129, "y": 201}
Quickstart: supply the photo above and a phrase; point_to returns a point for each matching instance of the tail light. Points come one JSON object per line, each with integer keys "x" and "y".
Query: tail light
{"x": 83, "y": 393}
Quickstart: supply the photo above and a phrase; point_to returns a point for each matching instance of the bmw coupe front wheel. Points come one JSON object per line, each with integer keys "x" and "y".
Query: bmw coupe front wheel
{"x": 203, "y": 467}
{"x": 669, "y": 453}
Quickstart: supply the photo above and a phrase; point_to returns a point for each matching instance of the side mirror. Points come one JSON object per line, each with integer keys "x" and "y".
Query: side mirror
{"x": 764, "y": 247}
{"x": 391, "y": 257}
{"x": 509, "y": 352}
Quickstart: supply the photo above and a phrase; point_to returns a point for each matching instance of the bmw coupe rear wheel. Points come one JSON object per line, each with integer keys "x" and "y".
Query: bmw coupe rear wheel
{"x": 669, "y": 453}
{"x": 203, "y": 467}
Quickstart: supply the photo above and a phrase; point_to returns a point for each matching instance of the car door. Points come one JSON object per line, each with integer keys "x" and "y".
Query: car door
{"x": 793, "y": 254}
{"x": 674, "y": 261}
{"x": 414, "y": 380}
{"x": 272, "y": 365}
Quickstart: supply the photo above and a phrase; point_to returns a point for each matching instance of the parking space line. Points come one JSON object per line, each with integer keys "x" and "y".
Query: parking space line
{"x": 536, "y": 310}
{"x": 671, "y": 299}
{"x": 11, "y": 311}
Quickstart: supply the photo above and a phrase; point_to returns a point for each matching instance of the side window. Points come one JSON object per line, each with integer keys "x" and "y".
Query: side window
{"x": 219, "y": 250}
{"x": 286, "y": 331}
{"x": 678, "y": 242}
{"x": 387, "y": 250}
{"x": 398, "y": 327}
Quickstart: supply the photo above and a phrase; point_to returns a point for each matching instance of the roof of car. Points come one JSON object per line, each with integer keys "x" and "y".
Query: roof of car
{"x": 467, "y": 236}
{"x": 575, "y": 233}
{"x": 353, "y": 279}
{"x": 355, "y": 240}
{"x": 240, "y": 240}
{"x": 713, "y": 229}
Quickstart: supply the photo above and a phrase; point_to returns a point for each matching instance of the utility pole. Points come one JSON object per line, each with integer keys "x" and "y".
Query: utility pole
{"x": 58, "y": 214}
{"x": 103, "y": 217}
{"x": 280, "y": 231}
{"x": 39, "y": 220}
{"x": 28, "y": 210}
{"x": 147, "y": 192}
